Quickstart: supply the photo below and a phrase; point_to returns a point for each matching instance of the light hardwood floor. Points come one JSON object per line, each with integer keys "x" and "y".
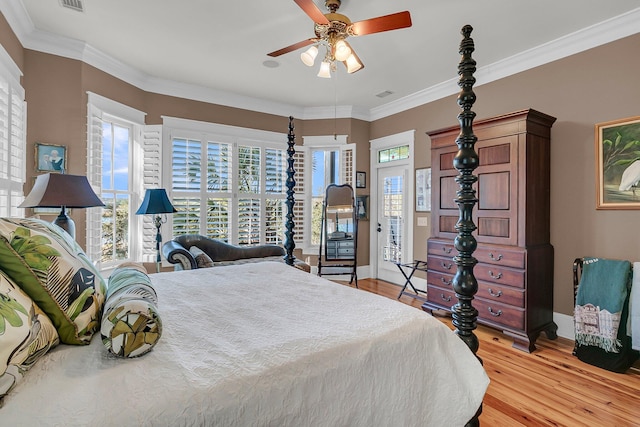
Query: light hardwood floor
{"x": 549, "y": 387}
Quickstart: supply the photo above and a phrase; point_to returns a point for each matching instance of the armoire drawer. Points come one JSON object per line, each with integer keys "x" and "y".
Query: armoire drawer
{"x": 496, "y": 313}
{"x": 501, "y": 294}
{"x": 488, "y": 254}
{"x": 499, "y": 255}
{"x": 445, "y": 298}
{"x": 499, "y": 275}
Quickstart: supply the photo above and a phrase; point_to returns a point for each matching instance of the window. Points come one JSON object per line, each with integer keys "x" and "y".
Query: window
{"x": 119, "y": 166}
{"x": 116, "y": 190}
{"x": 12, "y": 137}
{"x": 332, "y": 162}
{"x": 394, "y": 153}
{"x": 227, "y": 183}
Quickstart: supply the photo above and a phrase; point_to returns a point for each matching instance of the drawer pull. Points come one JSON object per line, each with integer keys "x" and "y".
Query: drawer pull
{"x": 445, "y": 281}
{"x": 495, "y": 314}
{"x": 446, "y": 250}
{"x": 495, "y": 276}
{"x": 445, "y": 298}
{"x": 447, "y": 266}
{"x": 493, "y": 294}
{"x": 495, "y": 258}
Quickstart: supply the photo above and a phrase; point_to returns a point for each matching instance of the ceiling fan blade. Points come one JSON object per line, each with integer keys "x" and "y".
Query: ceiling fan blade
{"x": 382, "y": 23}
{"x": 293, "y": 47}
{"x": 312, "y": 10}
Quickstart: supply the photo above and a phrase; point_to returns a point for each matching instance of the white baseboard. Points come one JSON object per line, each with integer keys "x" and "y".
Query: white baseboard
{"x": 565, "y": 325}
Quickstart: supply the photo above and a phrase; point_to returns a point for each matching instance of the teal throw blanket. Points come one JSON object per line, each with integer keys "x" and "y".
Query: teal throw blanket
{"x": 601, "y": 294}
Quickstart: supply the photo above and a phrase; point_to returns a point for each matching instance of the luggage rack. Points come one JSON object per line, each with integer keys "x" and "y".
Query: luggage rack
{"x": 414, "y": 266}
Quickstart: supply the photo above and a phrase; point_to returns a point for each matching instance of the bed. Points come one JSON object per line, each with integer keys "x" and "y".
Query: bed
{"x": 260, "y": 344}
{"x": 242, "y": 346}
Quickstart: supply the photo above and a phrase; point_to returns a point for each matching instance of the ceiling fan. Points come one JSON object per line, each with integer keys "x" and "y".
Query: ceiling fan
{"x": 332, "y": 29}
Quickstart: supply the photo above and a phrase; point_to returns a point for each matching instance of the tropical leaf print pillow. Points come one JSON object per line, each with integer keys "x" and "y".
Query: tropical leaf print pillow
{"x": 26, "y": 334}
{"x": 131, "y": 325}
{"x": 55, "y": 273}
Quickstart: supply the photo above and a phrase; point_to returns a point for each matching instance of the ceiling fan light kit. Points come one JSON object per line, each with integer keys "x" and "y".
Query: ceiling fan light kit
{"x": 331, "y": 30}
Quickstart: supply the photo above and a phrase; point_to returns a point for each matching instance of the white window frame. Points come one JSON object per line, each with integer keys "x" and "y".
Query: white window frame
{"x": 100, "y": 108}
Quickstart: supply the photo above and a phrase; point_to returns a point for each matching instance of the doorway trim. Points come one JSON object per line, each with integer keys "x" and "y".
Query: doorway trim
{"x": 402, "y": 138}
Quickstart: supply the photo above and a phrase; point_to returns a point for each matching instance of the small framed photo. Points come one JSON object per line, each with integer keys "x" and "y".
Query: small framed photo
{"x": 51, "y": 158}
{"x": 618, "y": 164}
{"x": 361, "y": 179}
{"x": 362, "y": 207}
{"x": 423, "y": 190}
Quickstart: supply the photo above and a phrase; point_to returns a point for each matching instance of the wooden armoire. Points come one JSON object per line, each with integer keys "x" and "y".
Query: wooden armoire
{"x": 515, "y": 257}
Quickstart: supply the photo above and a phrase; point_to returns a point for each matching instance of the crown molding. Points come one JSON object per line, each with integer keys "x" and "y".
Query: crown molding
{"x": 598, "y": 34}
{"x": 584, "y": 39}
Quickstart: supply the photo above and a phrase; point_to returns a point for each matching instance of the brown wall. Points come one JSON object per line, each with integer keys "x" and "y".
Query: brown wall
{"x": 588, "y": 88}
{"x": 595, "y": 86}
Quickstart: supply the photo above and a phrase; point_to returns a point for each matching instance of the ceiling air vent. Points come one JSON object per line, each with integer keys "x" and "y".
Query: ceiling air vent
{"x": 72, "y": 4}
{"x": 384, "y": 94}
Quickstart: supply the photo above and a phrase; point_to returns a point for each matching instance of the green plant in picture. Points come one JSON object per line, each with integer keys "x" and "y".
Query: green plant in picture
{"x": 620, "y": 148}
{"x": 35, "y": 250}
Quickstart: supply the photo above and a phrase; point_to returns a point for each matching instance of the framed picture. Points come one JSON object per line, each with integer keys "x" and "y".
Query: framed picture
{"x": 618, "y": 164}
{"x": 423, "y": 190}
{"x": 51, "y": 158}
{"x": 361, "y": 179}
{"x": 362, "y": 207}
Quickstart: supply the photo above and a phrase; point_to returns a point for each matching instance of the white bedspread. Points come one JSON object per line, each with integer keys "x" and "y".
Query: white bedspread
{"x": 262, "y": 345}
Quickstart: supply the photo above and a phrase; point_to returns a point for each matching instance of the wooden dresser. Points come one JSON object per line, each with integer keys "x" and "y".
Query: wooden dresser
{"x": 515, "y": 258}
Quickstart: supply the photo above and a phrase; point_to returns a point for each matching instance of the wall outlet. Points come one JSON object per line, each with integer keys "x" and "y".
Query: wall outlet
{"x": 423, "y": 221}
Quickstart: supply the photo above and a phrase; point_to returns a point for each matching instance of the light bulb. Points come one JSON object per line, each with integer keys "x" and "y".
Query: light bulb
{"x": 342, "y": 50}
{"x": 353, "y": 64}
{"x": 309, "y": 56}
{"x": 325, "y": 70}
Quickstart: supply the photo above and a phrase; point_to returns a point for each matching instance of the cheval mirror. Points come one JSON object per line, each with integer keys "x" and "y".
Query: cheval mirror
{"x": 339, "y": 233}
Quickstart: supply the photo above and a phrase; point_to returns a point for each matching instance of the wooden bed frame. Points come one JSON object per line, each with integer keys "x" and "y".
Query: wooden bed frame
{"x": 466, "y": 160}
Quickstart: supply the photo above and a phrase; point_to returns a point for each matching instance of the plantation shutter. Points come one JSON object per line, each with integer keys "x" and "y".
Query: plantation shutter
{"x": 93, "y": 245}
{"x": 347, "y": 169}
{"x": 151, "y": 178}
{"x": 300, "y": 196}
{"x": 186, "y": 160}
{"x": 12, "y": 137}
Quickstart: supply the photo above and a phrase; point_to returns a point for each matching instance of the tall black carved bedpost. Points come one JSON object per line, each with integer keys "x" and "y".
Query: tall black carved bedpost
{"x": 466, "y": 161}
{"x": 465, "y": 284}
{"x": 289, "y": 244}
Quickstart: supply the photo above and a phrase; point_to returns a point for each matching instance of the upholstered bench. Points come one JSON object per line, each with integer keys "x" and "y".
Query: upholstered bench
{"x": 191, "y": 251}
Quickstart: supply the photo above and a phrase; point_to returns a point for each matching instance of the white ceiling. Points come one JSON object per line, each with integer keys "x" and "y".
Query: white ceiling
{"x": 214, "y": 50}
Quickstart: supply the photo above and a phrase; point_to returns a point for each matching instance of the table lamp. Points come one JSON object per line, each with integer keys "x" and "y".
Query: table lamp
{"x": 156, "y": 202}
{"x": 55, "y": 190}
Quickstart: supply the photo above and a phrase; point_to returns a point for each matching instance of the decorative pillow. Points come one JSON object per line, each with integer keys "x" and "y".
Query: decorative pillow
{"x": 53, "y": 270}
{"x": 131, "y": 325}
{"x": 202, "y": 259}
{"x": 26, "y": 334}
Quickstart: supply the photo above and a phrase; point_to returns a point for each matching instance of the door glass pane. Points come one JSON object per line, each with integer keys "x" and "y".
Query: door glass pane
{"x": 392, "y": 215}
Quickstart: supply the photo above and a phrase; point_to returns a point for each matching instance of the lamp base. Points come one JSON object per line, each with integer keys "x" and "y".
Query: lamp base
{"x": 66, "y": 223}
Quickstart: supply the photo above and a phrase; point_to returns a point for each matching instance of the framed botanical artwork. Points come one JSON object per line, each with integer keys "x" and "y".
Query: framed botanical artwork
{"x": 361, "y": 179}
{"x": 362, "y": 207}
{"x": 51, "y": 158}
{"x": 423, "y": 190}
{"x": 618, "y": 164}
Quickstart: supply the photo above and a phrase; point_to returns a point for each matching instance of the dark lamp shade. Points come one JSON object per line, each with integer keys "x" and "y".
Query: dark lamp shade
{"x": 155, "y": 201}
{"x": 53, "y": 190}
